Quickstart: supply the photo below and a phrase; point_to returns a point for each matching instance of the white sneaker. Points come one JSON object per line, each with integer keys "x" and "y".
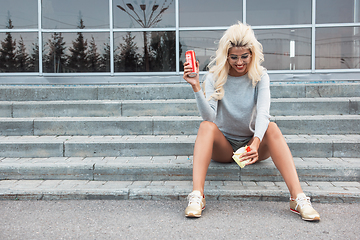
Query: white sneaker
{"x": 302, "y": 206}
{"x": 196, "y": 204}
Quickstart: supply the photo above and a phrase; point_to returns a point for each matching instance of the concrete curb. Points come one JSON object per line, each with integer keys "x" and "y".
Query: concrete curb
{"x": 170, "y": 168}
{"x": 324, "y": 192}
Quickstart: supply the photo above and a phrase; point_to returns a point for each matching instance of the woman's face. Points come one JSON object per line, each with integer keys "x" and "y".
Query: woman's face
{"x": 239, "y": 59}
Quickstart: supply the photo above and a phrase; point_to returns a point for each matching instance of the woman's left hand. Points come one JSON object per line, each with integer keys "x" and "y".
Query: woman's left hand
{"x": 253, "y": 154}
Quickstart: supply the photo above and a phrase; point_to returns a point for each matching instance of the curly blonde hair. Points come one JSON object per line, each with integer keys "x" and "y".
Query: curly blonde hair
{"x": 238, "y": 35}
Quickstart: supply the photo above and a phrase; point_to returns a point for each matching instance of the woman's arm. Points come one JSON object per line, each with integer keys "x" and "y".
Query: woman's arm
{"x": 262, "y": 119}
{"x": 262, "y": 107}
{"x": 206, "y": 108}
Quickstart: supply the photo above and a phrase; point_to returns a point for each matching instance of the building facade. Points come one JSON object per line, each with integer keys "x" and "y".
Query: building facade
{"x": 111, "y": 41}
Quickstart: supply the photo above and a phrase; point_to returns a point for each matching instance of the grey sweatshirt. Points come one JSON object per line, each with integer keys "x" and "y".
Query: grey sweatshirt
{"x": 243, "y": 112}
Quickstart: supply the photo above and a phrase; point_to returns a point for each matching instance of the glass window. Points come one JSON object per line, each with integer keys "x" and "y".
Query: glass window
{"x": 205, "y": 13}
{"x": 145, "y": 51}
{"x": 279, "y": 12}
{"x": 337, "y": 11}
{"x": 338, "y": 48}
{"x": 204, "y": 43}
{"x": 19, "y": 52}
{"x": 144, "y": 14}
{"x": 76, "y": 52}
{"x": 66, "y": 14}
{"x": 286, "y": 49}
{"x": 22, "y": 13}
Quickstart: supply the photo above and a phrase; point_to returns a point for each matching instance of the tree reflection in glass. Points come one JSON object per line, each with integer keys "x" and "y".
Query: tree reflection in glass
{"x": 147, "y": 19}
{"x": 128, "y": 58}
{"x": 78, "y": 60}
{"x": 82, "y": 55}
{"x": 14, "y": 54}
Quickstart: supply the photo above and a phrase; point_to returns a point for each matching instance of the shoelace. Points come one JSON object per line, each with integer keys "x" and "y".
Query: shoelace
{"x": 303, "y": 202}
{"x": 194, "y": 199}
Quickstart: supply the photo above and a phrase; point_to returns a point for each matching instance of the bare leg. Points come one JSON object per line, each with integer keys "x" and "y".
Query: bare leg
{"x": 210, "y": 144}
{"x": 274, "y": 145}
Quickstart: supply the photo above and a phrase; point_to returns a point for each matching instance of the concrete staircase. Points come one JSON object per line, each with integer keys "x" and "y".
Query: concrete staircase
{"x": 139, "y": 138}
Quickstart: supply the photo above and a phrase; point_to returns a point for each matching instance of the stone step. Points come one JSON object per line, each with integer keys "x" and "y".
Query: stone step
{"x": 99, "y": 108}
{"x": 315, "y": 106}
{"x": 164, "y": 91}
{"x": 170, "y": 125}
{"x": 85, "y": 126}
{"x": 160, "y": 145}
{"x": 95, "y": 92}
{"x": 323, "y": 124}
{"x": 324, "y": 192}
{"x": 173, "y": 107}
{"x": 170, "y": 168}
{"x": 315, "y": 89}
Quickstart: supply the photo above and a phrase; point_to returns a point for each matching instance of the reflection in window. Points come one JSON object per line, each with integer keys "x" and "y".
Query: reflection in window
{"x": 66, "y": 14}
{"x": 89, "y": 50}
{"x": 76, "y": 52}
{"x": 19, "y": 52}
{"x": 283, "y": 12}
{"x": 204, "y": 43}
{"x": 23, "y": 13}
{"x": 340, "y": 11}
{"x": 130, "y": 54}
{"x": 205, "y": 13}
{"x": 131, "y": 14}
{"x": 338, "y": 48}
{"x": 286, "y": 49}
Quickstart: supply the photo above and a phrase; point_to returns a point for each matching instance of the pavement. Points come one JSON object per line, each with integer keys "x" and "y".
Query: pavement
{"x": 165, "y": 220}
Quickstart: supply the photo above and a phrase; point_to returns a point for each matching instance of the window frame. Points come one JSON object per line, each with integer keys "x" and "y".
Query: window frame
{"x": 177, "y": 29}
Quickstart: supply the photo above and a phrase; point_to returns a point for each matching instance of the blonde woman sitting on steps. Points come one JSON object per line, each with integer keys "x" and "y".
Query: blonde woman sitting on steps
{"x": 235, "y": 108}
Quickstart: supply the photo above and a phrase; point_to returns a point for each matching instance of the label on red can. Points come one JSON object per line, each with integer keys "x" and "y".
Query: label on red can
{"x": 191, "y": 59}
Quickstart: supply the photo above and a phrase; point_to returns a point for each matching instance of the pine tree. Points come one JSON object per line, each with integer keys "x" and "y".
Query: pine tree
{"x": 128, "y": 59}
{"x": 34, "y": 58}
{"x": 8, "y": 52}
{"x": 105, "y": 59}
{"x": 163, "y": 51}
{"x": 22, "y": 57}
{"x": 77, "y": 58}
{"x": 55, "y": 60}
{"x": 93, "y": 57}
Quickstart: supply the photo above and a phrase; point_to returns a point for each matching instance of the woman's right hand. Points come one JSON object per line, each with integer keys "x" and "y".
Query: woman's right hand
{"x": 194, "y": 81}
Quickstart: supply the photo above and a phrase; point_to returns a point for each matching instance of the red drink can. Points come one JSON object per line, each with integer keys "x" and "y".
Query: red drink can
{"x": 191, "y": 59}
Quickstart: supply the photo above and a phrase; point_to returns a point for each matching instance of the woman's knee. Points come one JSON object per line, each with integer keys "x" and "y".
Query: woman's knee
{"x": 208, "y": 126}
{"x": 272, "y": 135}
{"x": 273, "y": 131}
